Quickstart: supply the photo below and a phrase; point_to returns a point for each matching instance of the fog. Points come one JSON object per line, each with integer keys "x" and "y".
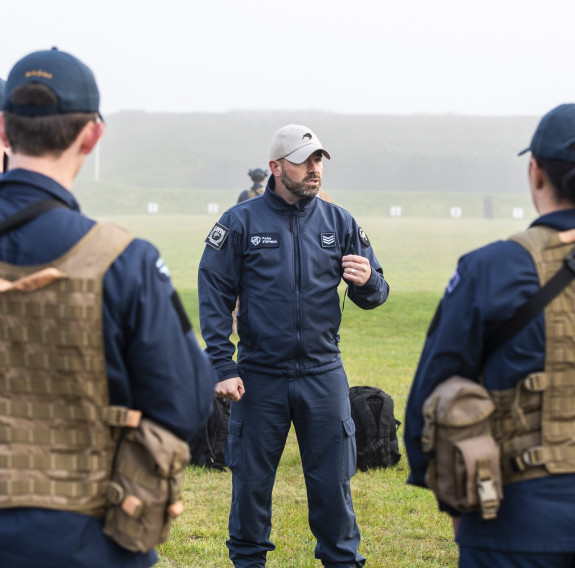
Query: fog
{"x": 364, "y": 57}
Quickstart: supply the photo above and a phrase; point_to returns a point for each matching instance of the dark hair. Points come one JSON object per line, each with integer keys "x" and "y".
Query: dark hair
{"x": 39, "y": 135}
{"x": 561, "y": 174}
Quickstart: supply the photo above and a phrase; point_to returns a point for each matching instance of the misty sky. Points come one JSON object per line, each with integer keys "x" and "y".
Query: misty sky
{"x": 493, "y": 57}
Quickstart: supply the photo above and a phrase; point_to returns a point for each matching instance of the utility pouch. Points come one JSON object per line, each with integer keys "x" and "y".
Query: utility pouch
{"x": 144, "y": 495}
{"x": 463, "y": 458}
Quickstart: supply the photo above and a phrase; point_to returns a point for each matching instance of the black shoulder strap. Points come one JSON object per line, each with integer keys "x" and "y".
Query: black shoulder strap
{"x": 28, "y": 213}
{"x": 532, "y": 307}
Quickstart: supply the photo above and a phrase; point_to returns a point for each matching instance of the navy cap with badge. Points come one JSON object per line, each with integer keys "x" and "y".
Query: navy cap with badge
{"x": 72, "y": 82}
{"x": 554, "y": 138}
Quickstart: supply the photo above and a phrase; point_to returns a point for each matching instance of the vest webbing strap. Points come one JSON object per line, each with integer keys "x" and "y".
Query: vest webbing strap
{"x": 48, "y": 387}
{"x": 56, "y": 461}
{"x": 50, "y": 362}
{"x": 38, "y": 310}
{"x": 74, "y": 489}
{"x": 48, "y": 410}
{"x": 42, "y": 437}
{"x": 53, "y": 337}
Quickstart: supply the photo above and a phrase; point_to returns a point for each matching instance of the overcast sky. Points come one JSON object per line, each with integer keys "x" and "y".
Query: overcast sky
{"x": 489, "y": 57}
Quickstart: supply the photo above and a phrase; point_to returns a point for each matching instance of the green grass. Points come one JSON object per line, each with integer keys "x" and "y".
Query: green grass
{"x": 400, "y": 525}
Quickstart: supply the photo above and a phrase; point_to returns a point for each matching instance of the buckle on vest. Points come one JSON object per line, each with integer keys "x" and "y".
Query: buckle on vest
{"x": 536, "y": 382}
{"x": 486, "y": 490}
{"x": 534, "y": 456}
{"x": 488, "y": 499}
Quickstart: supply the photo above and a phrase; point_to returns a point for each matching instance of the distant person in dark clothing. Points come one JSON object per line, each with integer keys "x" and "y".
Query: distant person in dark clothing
{"x": 258, "y": 176}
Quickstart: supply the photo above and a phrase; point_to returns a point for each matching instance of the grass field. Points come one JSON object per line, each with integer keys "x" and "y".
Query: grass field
{"x": 400, "y": 525}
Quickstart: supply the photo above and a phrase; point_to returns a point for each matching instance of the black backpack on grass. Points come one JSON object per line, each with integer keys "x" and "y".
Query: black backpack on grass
{"x": 207, "y": 446}
{"x": 375, "y": 427}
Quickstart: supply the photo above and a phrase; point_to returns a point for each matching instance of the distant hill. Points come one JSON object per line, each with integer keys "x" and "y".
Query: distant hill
{"x": 446, "y": 153}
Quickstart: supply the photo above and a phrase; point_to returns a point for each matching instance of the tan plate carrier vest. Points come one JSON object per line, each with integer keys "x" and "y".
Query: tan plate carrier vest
{"x": 534, "y": 423}
{"x": 57, "y": 440}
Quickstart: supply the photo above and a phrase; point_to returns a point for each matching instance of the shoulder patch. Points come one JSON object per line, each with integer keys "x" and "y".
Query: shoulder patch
{"x": 162, "y": 268}
{"x": 217, "y": 236}
{"x": 453, "y": 282}
{"x": 363, "y": 237}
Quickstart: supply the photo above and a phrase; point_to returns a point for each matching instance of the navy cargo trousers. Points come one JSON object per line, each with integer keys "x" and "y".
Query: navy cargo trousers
{"x": 319, "y": 408}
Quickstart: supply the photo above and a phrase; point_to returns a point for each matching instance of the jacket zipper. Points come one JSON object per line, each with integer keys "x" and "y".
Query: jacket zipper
{"x": 294, "y": 221}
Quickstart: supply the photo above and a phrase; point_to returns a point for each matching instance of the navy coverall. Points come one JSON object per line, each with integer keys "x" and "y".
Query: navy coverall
{"x": 535, "y": 525}
{"x": 152, "y": 365}
{"x": 285, "y": 264}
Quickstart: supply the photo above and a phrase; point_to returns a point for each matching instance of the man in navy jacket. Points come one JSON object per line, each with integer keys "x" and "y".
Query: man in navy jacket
{"x": 535, "y": 524}
{"x": 284, "y": 254}
{"x": 153, "y": 362}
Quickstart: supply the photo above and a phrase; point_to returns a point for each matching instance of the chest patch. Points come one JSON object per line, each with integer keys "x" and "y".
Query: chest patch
{"x": 264, "y": 240}
{"x": 327, "y": 240}
{"x": 217, "y": 236}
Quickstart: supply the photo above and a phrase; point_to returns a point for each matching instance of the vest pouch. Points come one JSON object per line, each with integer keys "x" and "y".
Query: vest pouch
{"x": 144, "y": 495}
{"x": 463, "y": 458}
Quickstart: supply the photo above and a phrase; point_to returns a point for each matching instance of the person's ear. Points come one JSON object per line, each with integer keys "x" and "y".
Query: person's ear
{"x": 538, "y": 176}
{"x": 90, "y": 135}
{"x": 3, "y": 136}
{"x": 275, "y": 168}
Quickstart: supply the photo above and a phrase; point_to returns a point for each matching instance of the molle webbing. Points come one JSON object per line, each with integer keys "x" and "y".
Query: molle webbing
{"x": 56, "y": 440}
{"x": 535, "y": 422}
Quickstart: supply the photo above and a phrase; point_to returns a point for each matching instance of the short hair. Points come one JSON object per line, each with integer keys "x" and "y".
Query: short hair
{"x": 561, "y": 174}
{"x": 40, "y": 135}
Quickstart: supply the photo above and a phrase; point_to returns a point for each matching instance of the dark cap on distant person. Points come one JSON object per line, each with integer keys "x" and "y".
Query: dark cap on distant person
{"x": 258, "y": 174}
{"x": 72, "y": 82}
{"x": 2, "y": 88}
{"x": 554, "y": 138}
{"x": 296, "y": 144}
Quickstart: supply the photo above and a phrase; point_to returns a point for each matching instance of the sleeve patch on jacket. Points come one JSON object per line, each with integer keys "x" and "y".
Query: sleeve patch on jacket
{"x": 217, "y": 236}
{"x": 453, "y": 282}
{"x": 363, "y": 237}
{"x": 182, "y": 316}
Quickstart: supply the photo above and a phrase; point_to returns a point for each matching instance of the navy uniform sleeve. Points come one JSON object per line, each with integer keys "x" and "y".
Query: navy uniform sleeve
{"x": 154, "y": 361}
{"x": 376, "y": 290}
{"x": 218, "y": 288}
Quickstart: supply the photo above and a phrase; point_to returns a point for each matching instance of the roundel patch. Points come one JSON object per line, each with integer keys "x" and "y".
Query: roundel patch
{"x": 363, "y": 237}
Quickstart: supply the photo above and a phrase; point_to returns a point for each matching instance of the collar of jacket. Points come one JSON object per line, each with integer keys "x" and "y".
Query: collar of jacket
{"x": 562, "y": 220}
{"x": 12, "y": 180}
{"x": 281, "y": 206}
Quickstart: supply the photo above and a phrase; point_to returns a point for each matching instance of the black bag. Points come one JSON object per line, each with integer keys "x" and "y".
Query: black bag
{"x": 375, "y": 427}
{"x": 207, "y": 447}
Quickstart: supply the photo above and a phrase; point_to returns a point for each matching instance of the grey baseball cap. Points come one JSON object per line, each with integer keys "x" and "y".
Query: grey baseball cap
{"x": 295, "y": 143}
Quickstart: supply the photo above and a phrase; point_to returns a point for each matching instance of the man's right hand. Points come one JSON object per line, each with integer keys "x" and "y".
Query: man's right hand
{"x": 232, "y": 389}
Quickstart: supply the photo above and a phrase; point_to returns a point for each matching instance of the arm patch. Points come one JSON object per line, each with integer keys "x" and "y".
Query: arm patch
{"x": 182, "y": 316}
{"x": 217, "y": 236}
